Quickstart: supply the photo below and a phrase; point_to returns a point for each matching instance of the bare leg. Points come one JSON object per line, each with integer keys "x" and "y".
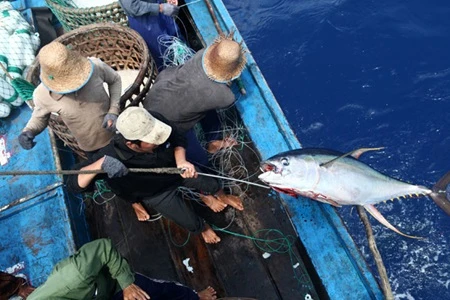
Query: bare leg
{"x": 210, "y": 236}
{"x": 212, "y": 202}
{"x": 216, "y": 145}
{"x": 207, "y": 294}
{"x": 141, "y": 212}
{"x": 232, "y": 200}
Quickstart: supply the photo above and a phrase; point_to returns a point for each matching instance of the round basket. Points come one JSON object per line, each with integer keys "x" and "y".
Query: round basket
{"x": 71, "y": 17}
{"x": 121, "y": 48}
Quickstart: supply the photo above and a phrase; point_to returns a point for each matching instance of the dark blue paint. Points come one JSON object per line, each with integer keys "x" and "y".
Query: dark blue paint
{"x": 352, "y": 74}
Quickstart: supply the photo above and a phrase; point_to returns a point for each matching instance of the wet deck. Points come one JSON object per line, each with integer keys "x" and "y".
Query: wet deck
{"x": 235, "y": 267}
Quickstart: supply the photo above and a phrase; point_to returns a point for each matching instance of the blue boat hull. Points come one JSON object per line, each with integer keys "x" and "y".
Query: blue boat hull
{"x": 44, "y": 224}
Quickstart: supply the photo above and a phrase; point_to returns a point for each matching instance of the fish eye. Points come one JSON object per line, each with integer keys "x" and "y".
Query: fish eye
{"x": 285, "y": 161}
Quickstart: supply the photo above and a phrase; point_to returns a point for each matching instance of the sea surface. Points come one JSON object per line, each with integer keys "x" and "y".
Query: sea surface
{"x": 363, "y": 73}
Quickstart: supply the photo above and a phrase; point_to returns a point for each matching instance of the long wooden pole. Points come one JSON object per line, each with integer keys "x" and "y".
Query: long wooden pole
{"x": 385, "y": 286}
{"x": 74, "y": 172}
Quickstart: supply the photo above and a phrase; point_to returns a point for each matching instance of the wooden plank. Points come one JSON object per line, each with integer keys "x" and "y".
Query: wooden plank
{"x": 142, "y": 243}
{"x": 239, "y": 265}
{"x": 184, "y": 246}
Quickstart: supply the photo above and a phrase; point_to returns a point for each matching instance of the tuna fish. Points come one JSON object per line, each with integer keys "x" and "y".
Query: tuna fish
{"x": 341, "y": 179}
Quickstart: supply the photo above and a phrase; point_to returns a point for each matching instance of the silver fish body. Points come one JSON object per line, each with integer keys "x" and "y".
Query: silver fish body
{"x": 346, "y": 181}
{"x": 340, "y": 179}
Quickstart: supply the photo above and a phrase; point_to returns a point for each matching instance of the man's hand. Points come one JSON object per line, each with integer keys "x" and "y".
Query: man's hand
{"x": 26, "y": 140}
{"x": 169, "y": 9}
{"x": 114, "y": 167}
{"x": 133, "y": 292}
{"x": 109, "y": 122}
{"x": 189, "y": 169}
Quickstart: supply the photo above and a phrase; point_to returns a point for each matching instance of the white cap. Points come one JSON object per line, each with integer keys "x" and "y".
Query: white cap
{"x": 136, "y": 123}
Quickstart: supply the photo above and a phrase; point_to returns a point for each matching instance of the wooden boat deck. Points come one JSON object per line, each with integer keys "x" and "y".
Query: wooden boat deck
{"x": 235, "y": 267}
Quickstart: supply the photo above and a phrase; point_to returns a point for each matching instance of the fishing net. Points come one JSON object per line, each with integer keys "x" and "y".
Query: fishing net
{"x": 18, "y": 46}
{"x": 176, "y": 51}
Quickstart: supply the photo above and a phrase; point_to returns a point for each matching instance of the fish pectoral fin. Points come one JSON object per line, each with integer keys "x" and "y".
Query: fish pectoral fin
{"x": 355, "y": 154}
{"x": 377, "y": 215}
{"x": 358, "y": 152}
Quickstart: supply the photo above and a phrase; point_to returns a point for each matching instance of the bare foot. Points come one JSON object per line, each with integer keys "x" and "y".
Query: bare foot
{"x": 232, "y": 200}
{"x": 213, "y": 203}
{"x": 207, "y": 294}
{"x": 210, "y": 236}
{"x": 217, "y": 145}
{"x": 141, "y": 212}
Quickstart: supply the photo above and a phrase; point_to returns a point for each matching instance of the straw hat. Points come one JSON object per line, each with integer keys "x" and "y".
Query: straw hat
{"x": 224, "y": 59}
{"x": 63, "y": 71}
{"x": 136, "y": 123}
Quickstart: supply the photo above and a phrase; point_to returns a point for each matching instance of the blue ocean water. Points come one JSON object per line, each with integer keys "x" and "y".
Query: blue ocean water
{"x": 365, "y": 73}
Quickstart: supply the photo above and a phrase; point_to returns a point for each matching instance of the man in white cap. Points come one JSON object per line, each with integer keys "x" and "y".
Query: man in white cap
{"x": 145, "y": 140}
{"x": 98, "y": 271}
{"x": 72, "y": 87}
{"x": 192, "y": 92}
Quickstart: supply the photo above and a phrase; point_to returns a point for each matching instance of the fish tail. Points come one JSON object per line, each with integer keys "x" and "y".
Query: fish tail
{"x": 377, "y": 215}
{"x": 441, "y": 193}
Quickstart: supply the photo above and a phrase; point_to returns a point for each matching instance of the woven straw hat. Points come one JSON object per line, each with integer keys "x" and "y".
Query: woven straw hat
{"x": 136, "y": 123}
{"x": 63, "y": 71}
{"x": 224, "y": 59}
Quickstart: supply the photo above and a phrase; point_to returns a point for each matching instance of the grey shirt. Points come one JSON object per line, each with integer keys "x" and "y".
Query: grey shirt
{"x": 136, "y": 8}
{"x": 184, "y": 94}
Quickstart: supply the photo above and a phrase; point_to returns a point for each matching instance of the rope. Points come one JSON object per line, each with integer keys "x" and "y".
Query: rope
{"x": 24, "y": 88}
{"x": 189, "y": 3}
{"x": 233, "y": 179}
{"x": 385, "y": 286}
{"x": 281, "y": 245}
{"x": 173, "y": 242}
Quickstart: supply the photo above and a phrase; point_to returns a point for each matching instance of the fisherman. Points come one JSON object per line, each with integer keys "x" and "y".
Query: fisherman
{"x": 192, "y": 92}
{"x": 147, "y": 140}
{"x": 72, "y": 88}
{"x": 151, "y": 19}
{"x": 98, "y": 271}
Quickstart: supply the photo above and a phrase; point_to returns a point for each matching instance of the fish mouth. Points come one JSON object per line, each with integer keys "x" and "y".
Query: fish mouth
{"x": 268, "y": 167}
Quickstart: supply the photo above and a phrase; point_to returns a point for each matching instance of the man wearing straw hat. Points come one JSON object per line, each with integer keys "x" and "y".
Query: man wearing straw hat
{"x": 98, "y": 271}
{"x": 145, "y": 140}
{"x": 72, "y": 88}
{"x": 192, "y": 92}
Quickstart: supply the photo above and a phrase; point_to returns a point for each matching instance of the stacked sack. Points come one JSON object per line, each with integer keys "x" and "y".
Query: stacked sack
{"x": 18, "y": 46}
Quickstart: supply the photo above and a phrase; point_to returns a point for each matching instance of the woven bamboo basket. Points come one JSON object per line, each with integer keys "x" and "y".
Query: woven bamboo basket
{"x": 72, "y": 17}
{"x": 121, "y": 48}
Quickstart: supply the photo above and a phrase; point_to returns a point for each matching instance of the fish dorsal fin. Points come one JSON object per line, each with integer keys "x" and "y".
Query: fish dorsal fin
{"x": 358, "y": 152}
{"x": 377, "y": 215}
{"x": 355, "y": 154}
